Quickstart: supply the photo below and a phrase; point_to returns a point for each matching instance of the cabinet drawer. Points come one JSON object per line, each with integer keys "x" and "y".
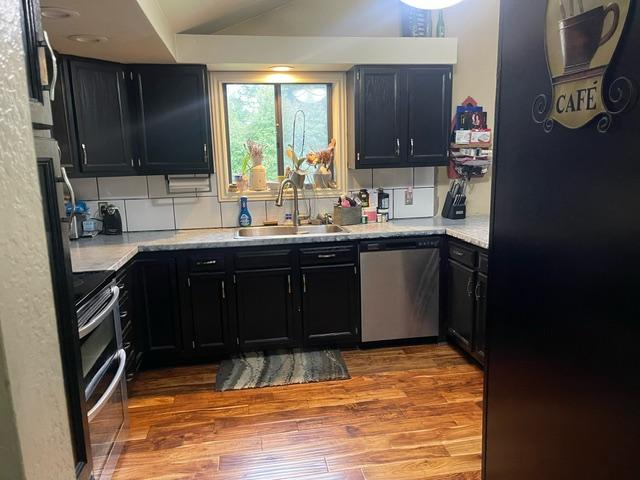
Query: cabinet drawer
{"x": 328, "y": 255}
{"x": 265, "y": 259}
{"x": 483, "y": 263}
{"x": 206, "y": 263}
{"x": 463, "y": 255}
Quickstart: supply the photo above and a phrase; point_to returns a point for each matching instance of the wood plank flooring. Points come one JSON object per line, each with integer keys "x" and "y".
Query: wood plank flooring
{"x": 407, "y": 413}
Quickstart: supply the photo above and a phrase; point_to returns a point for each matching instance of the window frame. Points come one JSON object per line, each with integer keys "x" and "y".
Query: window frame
{"x": 337, "y": 126}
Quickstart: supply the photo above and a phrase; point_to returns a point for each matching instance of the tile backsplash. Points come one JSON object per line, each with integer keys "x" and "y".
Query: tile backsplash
{"x": 145, "y": 205}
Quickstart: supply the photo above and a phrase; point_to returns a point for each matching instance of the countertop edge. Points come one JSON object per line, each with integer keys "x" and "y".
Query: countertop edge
{"x": 175, "y": 244}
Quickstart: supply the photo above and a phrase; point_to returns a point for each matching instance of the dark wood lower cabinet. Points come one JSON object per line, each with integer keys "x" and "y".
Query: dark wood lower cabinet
{"x": 467, "y": 298}
{"x": 265, "y": 309}
{"x": 461, "y": 305}
{"x": 158, "y": 305}
{"x": 207, "y": 302}
{"x": 479, "y": 333}
{"x": 330, "y": 302}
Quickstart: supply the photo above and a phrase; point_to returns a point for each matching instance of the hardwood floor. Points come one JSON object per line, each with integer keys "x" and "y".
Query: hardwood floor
{"x": 407, "y": 413}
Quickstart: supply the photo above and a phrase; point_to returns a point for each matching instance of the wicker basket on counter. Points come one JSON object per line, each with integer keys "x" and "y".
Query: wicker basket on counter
{"x": 347, "y": 215}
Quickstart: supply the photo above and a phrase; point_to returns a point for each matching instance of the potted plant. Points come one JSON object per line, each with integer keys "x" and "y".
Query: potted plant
{"x": 258, "y": 173}
{"x": 322, "y": 161}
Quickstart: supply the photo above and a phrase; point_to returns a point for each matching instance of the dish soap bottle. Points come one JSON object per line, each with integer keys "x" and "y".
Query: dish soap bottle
{"x": 245, "y": 217}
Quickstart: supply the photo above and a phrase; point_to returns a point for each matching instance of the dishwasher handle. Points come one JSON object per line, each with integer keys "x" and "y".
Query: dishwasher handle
{"x": 400, "y": 244}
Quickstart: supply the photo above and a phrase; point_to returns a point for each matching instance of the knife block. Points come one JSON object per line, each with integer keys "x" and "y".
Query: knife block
{"x": 451, "y": 211}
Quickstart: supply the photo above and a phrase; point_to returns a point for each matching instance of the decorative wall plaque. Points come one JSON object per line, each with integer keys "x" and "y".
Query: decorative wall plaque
{"x": 581, "y": 39}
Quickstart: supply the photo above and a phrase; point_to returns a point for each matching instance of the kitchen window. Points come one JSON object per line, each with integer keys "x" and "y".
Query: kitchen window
{"x": 269, "y": 127}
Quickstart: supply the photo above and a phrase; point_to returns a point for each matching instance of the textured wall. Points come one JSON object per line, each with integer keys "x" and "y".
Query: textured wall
{"x": 30, "y": 373}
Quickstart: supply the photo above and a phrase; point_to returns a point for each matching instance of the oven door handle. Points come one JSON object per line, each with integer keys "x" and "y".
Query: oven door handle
{"x": 95, "y": 410}
{"x": 92, "y": 324}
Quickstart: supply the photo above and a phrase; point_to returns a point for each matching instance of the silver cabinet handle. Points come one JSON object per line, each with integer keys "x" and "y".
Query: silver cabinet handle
{"x": 469, "y": 288}
{"x": 397, "y": 147}
{"x": 224, "y": 292}
{"x": 289, "y": 283}
{"x": 412, "y": 147}
{"x": 478, "y": 296}
{"x": 206, "y": 153}
{"x": 122, "y": 361}
{"x": 206, "y": 262}
{"x": 84, "y": 153}
{"x": 92, "y": 324}
{"x": 327, "y": 255}
{"x": 304, "y": 283}
{"x": 457, "y": 253}
{"x": 54, "y": 63}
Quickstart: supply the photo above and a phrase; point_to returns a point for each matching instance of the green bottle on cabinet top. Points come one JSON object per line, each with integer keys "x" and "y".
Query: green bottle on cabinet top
{"x": 428, "y": 24}
{"x": 440, "y": 26}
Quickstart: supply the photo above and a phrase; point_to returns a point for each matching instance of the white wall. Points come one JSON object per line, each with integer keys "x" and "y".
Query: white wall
{"x": 473, "y": 22}
{"x": 35, "y": 443}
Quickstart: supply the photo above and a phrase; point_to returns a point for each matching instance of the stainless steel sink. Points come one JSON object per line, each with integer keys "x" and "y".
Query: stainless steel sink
{"x": 283, "y": 230}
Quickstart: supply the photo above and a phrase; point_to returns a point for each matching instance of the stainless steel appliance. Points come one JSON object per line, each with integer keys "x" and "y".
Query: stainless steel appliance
{"x": 103, "y": 367}
{"x": 111, "y": 221}
{"x": 400, "y": 289}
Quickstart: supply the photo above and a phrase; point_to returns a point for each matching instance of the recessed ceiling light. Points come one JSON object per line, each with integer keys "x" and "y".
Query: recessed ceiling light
{"x": 431, "y": 4}
{"x": 88, "y": 38}
{"x": 281, "y": 68}
{"x": 58, "y": 13}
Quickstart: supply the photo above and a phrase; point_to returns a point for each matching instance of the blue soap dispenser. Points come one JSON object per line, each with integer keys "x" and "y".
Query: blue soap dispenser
{"x": 245, "y": 217}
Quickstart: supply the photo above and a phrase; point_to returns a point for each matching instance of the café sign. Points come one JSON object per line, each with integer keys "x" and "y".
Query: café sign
{"x": 581, "y": 39}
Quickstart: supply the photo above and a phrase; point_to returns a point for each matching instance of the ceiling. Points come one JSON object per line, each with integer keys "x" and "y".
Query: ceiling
{"x": 207, "y": 16}
{"x": 132, "y": 37}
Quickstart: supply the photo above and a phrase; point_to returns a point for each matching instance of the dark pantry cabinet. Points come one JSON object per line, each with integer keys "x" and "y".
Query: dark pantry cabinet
{"x": 172, "y": 118}
{"x": 400, "y": 115}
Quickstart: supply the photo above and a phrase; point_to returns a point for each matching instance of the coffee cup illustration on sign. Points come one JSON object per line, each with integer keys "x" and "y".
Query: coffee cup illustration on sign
{"x": 581, "y": 35}
{"x": 581, "y": 38}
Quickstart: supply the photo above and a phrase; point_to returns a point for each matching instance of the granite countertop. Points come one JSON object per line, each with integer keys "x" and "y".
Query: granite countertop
{"x": 113, "y": 252}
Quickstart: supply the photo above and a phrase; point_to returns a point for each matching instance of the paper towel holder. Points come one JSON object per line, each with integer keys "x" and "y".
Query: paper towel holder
{"x": 181, "y": 184}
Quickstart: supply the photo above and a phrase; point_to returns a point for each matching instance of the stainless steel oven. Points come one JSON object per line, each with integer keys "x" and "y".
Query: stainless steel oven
{"x": 103, "y": 368}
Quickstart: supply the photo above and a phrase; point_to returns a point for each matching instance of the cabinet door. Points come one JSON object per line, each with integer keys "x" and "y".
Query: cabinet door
{"x": 208, "y": 302}
{"x": 379, "y": 116}
{"x": 265, "y": 309}
{"x": 101, "y": 114}
{"x": 461, "y": 304}
{"x": 330, "y": 304}
{"x": 174, "y": 119}
{"x": 429, "y": 112}
{"x": 479, "y": 329}
{"x": 158, "y": 302}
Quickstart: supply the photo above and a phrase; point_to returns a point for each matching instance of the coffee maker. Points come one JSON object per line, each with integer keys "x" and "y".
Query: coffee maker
{"x": 111, "y": 221}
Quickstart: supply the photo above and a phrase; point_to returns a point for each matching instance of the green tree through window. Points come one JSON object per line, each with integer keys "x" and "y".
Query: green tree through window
{"x": 265, "y": 114}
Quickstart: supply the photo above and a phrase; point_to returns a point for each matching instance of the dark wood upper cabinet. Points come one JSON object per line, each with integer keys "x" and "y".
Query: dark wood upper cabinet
{"x": 173, "y": 119}
{"x": 379, "y": 116}
{"x": 401, "y": 116}
{"x": 101, "y": 114}
{"x": 330, "y": 300}
{"x": 429, "y": 115}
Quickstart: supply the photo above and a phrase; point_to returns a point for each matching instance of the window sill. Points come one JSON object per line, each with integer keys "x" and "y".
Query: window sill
{"x": 272, "y": 195}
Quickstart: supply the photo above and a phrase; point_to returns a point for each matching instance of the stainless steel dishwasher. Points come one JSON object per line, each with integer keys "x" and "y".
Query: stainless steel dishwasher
{"x": 400, "y": 288}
